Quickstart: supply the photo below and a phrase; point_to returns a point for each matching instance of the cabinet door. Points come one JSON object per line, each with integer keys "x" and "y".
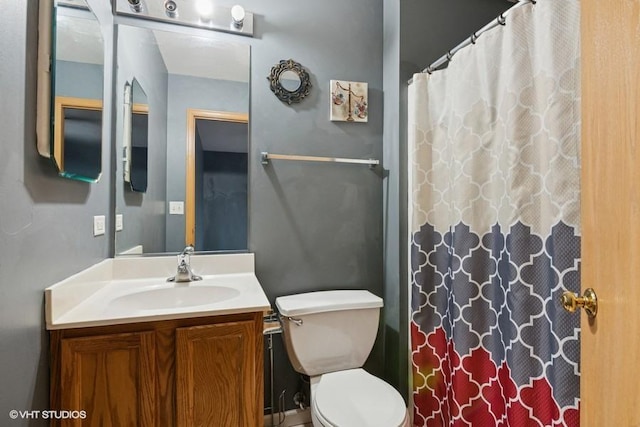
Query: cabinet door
{"x": 219, "y": 380}
{"x": 111, "y": 378}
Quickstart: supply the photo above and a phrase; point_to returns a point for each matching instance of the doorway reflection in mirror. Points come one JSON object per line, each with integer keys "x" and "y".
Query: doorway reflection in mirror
{"x": 179, "y": 72}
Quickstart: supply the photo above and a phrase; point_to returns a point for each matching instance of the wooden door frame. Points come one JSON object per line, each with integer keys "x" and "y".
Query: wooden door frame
{"x": 190, "y": 194}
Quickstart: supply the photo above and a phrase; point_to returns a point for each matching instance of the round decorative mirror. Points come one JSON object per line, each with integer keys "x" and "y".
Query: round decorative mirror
{"x": 289, "y": 81}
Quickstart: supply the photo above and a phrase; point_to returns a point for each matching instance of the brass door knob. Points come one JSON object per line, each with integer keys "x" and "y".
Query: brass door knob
{"x": 571, "y": 302}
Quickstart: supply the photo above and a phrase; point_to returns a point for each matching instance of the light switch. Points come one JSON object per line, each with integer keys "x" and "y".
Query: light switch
{"x": 119, "y": 222}
{"x": 176, "y": 208}
{"x": 98, "y": 225}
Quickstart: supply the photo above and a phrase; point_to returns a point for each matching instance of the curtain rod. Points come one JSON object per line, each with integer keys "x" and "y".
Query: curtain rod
{"x": 500, "y": 20}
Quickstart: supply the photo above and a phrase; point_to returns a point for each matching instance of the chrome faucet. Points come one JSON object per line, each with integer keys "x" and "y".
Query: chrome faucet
{"x": 184, "y": 273}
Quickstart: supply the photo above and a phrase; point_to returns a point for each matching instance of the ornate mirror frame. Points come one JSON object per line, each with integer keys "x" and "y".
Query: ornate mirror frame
{"x": 283, "y": 94}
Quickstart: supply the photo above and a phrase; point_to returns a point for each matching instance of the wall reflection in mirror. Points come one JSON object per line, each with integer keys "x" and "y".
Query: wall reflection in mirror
{"x": 77, "y": 78}
{"x": 196, "y": 93}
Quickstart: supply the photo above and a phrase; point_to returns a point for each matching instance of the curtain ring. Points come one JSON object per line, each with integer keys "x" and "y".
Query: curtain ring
{"x": 533, "y": 1}
{"x": 429, "y": 70}
{"x": 449, "y": 56}
{"x": 502, "y": 20}
{"x": 474, "y": 38}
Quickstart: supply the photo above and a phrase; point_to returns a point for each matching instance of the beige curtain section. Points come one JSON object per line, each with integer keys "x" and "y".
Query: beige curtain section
{"x": 494, "y": 138}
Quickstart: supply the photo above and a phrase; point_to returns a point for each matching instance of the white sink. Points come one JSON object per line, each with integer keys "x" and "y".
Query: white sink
{"x": 172, "y": 296}
{"x": 134, "y": 289}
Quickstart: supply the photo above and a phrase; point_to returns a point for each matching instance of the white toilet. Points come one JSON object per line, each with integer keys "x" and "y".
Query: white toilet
{"x": 328, "y": 336}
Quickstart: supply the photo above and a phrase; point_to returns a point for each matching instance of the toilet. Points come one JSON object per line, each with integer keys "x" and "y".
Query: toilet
{"x": 328, "y": 336}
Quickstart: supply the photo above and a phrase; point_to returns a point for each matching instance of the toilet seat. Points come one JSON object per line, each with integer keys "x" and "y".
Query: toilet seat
{"x": 355, "y": 398}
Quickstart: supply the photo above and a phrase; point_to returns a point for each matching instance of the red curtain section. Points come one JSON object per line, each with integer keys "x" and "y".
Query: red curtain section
{"x": 455, "y": 391}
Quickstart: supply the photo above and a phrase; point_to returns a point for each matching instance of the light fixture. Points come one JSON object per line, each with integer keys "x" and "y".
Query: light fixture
{"x": 204, "y": 9}
{"x": 135, "y": 5}
{"x": 204, "y": 14}
{"x": 237, "y": 16}
{"x": 171, "y": 8}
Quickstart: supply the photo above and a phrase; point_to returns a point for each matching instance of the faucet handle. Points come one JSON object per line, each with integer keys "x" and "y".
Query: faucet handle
{"x": 185, "y": 255}
{"x": 184, "y": 273}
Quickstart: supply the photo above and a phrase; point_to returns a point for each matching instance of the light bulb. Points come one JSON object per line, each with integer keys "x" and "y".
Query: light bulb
{"x": 237, "y": 14}
{"x": 204, "y": 8}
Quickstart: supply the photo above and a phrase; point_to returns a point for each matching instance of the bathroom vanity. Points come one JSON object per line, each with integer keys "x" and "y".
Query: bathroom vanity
{"x": 136, "y": 350}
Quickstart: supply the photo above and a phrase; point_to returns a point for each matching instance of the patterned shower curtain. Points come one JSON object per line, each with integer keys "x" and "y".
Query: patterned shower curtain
{"x": 494, "y": 189}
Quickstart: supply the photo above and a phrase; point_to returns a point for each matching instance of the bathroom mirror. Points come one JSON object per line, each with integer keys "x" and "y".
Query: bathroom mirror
{"x": 289, "y": 81}
{"x": 70, "y": 92}
{"x": 196, "y": 92}
{"x": 135, "y": 136}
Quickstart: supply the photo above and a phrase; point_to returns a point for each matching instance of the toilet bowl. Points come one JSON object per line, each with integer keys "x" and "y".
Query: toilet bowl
{"x": 355, "y": 398}
{"x": 328, "y": 336}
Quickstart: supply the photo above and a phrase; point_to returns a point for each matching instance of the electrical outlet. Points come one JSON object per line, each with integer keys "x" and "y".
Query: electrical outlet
{"x": 98, "y": 225}
{"x": 119, "y": 222}
{"x": 176, "y": 208}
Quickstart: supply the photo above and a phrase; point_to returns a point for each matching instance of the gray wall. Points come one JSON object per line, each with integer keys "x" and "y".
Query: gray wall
{"x": 316, "y": 226}
{"x": 46, "y": 222}
{"x": 79, "y": 80}
{"x": 143, "y": 213}
{"x": 416, "y": 33}
{"x": 395, "y": 282}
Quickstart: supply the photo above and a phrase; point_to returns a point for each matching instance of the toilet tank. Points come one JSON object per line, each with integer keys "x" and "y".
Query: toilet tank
{"x": 329, "y": 331}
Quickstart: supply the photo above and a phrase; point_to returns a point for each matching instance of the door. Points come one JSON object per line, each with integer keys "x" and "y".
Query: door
{"x": 219, "y": 375}
{"x": 109, "y": 377}
{"x": 610, "y": 379}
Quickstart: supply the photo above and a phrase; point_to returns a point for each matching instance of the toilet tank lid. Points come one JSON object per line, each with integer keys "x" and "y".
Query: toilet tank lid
{"x": 324, "y": 301}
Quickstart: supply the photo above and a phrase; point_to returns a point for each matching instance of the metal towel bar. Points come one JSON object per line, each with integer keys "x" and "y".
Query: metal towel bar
{"x": 268, "y": 156}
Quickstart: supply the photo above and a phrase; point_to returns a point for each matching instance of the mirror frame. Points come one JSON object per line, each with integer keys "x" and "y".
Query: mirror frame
{"x": 283, "y": 94}
{"x": 43, "y": 102}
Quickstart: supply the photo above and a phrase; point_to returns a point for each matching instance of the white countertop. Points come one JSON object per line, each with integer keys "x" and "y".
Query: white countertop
{"x": 131, "y": 290}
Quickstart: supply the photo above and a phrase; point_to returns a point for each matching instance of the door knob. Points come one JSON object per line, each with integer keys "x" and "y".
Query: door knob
{"x": 571, "y": 302}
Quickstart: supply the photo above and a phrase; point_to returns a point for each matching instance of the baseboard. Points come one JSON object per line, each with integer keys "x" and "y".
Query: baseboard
{"x": 294, "y": 417}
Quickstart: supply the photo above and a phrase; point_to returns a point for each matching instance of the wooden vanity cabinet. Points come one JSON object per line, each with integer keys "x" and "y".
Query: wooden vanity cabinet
{"x": 187, "y": 372}
{"x": 110, "y": 377}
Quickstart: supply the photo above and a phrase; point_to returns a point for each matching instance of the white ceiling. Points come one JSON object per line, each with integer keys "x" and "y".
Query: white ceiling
{"x": 201, "y": 57}
{"x": 78, "y": 37}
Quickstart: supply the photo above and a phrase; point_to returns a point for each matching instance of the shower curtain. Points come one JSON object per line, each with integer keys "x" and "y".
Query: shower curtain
{"x": 494, "y": 226}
